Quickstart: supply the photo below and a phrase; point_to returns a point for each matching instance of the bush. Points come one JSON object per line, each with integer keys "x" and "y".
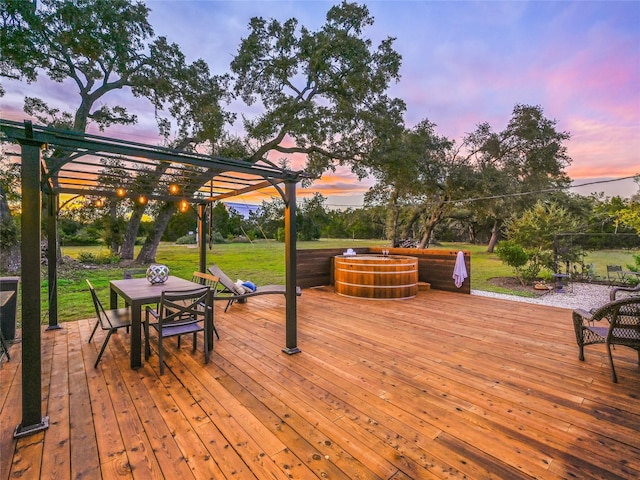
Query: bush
{"x": 90, "y": 258}
{"x": 517, "y": 258}
{"x": 512, "y": 254}
{"x": 187, "y": 240}
{"x": 218, "y": 238}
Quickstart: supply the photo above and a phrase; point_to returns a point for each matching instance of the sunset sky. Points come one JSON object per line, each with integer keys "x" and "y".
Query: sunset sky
{"x": 463, "y": 63}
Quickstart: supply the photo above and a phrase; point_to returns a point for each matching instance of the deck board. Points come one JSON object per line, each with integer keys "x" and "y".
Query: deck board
{"x": 440, "y": 386}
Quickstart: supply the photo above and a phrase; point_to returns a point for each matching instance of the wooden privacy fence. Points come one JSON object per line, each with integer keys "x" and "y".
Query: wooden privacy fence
{"x": 314, "y": 268}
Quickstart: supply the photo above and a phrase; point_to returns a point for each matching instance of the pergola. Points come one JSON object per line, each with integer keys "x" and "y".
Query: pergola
{"x": 139, "y": 172}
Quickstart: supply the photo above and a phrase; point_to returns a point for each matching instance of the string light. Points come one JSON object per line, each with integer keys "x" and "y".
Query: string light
{"x": 99, "y": 203}
{"x": 142, "y": 200}
{"x": 174, "y": 188}
{"x": 183, "y": 206}
{"x": 121, "y": 192}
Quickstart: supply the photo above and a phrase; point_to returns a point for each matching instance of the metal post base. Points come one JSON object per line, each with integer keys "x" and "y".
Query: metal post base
{"x": 21, "y": 431}
{"x": 291, "y": 351}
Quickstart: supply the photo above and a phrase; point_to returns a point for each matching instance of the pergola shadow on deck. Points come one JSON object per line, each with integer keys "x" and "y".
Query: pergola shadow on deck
{"x": 439, "y": 386}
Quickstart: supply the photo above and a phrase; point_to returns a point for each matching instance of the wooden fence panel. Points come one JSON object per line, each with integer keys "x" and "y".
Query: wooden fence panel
{"x": 315, "y": 267}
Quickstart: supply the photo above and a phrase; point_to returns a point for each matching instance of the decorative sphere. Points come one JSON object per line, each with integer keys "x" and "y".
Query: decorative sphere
{"x": 157, "y": 273}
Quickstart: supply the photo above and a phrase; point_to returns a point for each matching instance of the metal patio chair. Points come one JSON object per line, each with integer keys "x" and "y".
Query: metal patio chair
{"x": 109, "y": 320}
{"x": 179, "y": 313}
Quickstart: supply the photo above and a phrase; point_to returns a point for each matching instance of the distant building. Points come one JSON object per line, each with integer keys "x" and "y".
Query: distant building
{"x": 243, "y": 209}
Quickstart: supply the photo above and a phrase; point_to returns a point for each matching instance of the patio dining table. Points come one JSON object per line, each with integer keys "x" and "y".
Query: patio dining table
{"x": 138, "y": 292}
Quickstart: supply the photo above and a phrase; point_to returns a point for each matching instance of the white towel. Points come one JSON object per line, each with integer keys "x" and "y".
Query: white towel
{"x": 459, "y": 271}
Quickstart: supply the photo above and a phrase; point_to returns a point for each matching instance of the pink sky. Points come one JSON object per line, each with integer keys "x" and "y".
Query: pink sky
{"x": 464, "y": 63}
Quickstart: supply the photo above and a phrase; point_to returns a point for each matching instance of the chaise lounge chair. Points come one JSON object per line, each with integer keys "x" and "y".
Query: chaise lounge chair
{"x": 229, "y": 288}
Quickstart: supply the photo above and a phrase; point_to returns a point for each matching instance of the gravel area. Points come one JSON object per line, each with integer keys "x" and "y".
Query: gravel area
{"x": 577, "y": 295}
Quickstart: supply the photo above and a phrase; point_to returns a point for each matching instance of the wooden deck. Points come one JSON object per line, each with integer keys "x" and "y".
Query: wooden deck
{"x": 440, "y": 386}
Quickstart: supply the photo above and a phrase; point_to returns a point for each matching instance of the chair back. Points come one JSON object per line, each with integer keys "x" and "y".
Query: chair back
{"x": 625, "y": 323}
{"x": 101, "y": 314}
{"x": 617, "y": 269}
{"x": 224, "y": 280}
{"x": 182, "y": 307}
{"x": 205, "y": 279}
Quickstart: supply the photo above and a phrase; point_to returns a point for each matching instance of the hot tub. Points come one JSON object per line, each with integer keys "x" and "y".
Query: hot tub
{"x": 376, "y": 276}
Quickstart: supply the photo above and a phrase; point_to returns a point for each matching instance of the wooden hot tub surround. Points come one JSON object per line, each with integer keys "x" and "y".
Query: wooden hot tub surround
{"x": 376, "y": 276}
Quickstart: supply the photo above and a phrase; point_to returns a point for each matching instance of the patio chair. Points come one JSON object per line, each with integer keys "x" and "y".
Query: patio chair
{"x": 229, "y": 288}
{"x": 631, "y": 290}
{"x": 614, "y": 274}
{"x": 109, "y": 320}
{"x": 179, "y": 313}
{"x": 620, "y": 325}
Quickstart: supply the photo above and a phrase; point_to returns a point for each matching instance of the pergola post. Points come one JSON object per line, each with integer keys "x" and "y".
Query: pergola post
{"x": 52, "y": 258}
{"x": 202, "y": 236}
{"x": 30, "y": 251}
{"x": 290, "y": 269}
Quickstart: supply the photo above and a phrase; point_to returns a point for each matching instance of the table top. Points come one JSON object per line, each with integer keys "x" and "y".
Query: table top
{"x": 141, "y": 290}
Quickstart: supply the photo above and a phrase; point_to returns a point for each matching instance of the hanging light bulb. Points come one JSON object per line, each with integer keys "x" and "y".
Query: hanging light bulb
{"x": 174, "y": 189}
{"x": 99, "y": 203}
{"x": 121, "y": 192}
{"x": 183, "y": 206}
{"x": 142, "y": 200}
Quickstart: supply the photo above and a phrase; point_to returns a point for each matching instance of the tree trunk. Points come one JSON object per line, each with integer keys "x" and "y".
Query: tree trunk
{"x": 430, "y": 224}
{"x": 415, "y": 215}
{"x": 392, "y": 221}
{"x": 10, "y": 257}
{"x": 472, "y": 233}
{"x": 113, "y": 221}
{"x": 150, "y": 247}
{"x": 131, "y": 233}
{"x": 493, "y": 241}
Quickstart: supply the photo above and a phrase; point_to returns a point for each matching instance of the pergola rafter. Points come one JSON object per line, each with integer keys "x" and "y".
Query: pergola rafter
{"x": 74, "y": 168}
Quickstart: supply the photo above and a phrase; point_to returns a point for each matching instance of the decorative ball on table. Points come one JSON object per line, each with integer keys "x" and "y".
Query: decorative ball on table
{"x": 157, "y": 273}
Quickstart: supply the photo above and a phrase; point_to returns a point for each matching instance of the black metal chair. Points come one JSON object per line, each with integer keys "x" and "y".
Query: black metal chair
{"x": 109, "y": 320}
{"x": 615, "y": 323}
{"x": 180, "y": 313}
{"x": 615, "y": 275}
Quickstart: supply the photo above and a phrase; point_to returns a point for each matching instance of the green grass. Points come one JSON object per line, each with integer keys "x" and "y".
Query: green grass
{"x": 261, "y": 262}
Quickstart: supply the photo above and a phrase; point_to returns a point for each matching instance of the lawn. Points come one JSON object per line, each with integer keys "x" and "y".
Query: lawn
{"x": 261, "y": 262}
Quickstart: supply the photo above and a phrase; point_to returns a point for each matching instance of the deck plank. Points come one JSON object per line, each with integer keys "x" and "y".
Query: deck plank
{"x": 440, "y": 386}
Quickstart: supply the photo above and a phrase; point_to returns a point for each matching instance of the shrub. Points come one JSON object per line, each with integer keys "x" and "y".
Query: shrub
{"x": 187, "y": 240}
{"x": 90, "y": 258}
{"x": 218, "y": 238}
{"x": 516, "y": 257}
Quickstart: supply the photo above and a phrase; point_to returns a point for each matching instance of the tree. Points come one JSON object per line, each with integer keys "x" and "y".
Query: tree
{"x": 9, "y": 231}
{"x": 269, "y": 217}
{"x": 519, "y": 165}
{"x": 312, "y": 217}
{"x": 323, "y": 92}
{"x": 102, "y": 46}
{"x": 420, "y": 175}
{"x": 630, "y": 214}
{"x": 535, "y": 230}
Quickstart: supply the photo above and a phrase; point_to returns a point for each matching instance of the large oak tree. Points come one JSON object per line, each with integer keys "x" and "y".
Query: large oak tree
{"x": 102, "y": 46}
{"x": 322, "y": 93}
